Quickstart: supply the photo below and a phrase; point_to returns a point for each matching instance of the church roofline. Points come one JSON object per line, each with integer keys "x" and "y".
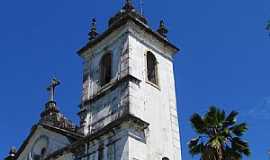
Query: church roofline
{"x": 66, "y": 133}
{"x": 120, "y": 23}
{"x": 108, "y": 128}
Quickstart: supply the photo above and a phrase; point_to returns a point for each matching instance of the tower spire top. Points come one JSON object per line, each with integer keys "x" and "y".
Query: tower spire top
{"x": 127, "y": 11}
{"x": 129, "y": 6}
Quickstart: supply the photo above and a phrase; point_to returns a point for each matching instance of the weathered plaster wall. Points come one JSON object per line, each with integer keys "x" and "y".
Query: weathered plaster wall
{"x": 154, "y": 104}
{"x": 109, "y": 108}
{"x": 112, "y": 104}
{"x": 114, "y": 44}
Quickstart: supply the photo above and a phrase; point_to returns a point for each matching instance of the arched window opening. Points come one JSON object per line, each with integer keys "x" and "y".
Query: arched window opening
{"x": 152, "y": 73}
{"x": 106, "y": 69}
{"x": 165, "y": 158}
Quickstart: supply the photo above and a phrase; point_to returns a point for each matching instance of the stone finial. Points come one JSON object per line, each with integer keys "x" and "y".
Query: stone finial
{"x": 128, "y": 6}
{"x": 93, "y": 31}
{"x": 162, "y": 30}
{"x": 129, "y": 3}
{"x": 12, "y": 154}
{"x": 13, "y": 151}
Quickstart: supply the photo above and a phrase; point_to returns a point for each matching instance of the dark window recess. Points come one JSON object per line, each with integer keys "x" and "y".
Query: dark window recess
{"x": 106, "y": 69}
{"x": 165, "y": 158}
{"x": 101, "y": 153}
{"x": 152, "y": 68}
{"x": 36, "y": 157}
{"x": 43, "y": 152}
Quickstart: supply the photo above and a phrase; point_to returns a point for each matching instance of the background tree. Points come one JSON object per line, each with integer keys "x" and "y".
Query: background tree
{"x": 219, "y": 137}
{"x": 268, "y": 27}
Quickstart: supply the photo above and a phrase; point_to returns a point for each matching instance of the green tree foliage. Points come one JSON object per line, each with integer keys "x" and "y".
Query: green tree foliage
{"x": 219, "y": 136}
{"x": 268, "y": 26}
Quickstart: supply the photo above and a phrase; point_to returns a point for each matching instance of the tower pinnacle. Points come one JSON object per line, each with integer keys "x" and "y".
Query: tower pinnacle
{"x": 93, "y": 31}
{"x": 12, "y": 154}
{"x": 128, "y": 6}
{"x": 162, "y": 30}
{"x": 127, "y": 12}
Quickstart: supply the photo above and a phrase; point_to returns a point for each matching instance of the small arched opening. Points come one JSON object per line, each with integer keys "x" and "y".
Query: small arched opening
{"x": 152, "y": 69}
{"x": 106, "y": 69}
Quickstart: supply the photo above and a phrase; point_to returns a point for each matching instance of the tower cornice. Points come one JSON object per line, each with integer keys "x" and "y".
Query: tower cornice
{"x": 109, "y": 88}
{"x": 123, "y": 21}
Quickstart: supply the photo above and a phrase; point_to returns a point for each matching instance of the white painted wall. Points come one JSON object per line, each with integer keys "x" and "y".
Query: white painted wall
{"x": 155, "y": 104}
{"x": 56, "y": 142}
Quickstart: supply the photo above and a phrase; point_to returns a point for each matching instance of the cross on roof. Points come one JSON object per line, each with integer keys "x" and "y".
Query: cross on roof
{"x": 129, "y": 1}
{"x": 51, "y": 89}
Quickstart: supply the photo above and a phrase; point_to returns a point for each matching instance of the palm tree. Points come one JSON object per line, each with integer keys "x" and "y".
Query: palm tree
{"x": 219, "y": 137}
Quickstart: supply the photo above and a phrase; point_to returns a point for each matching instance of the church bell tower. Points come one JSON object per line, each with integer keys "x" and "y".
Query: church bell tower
{"x": 128, "y": 107}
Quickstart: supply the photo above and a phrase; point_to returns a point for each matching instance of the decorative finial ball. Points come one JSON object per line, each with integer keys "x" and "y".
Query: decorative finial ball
{"x": 12, "y": 151}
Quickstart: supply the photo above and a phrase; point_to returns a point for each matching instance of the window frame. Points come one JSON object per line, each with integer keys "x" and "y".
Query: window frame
{"x": 157, "y": 84}
{"x": 114, "y": 151}
{"x": 102, "y": 77}
{"x": 101, "y": 155}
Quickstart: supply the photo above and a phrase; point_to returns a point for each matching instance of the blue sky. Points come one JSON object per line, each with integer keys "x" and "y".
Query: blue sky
{"x": 224, "y": 60}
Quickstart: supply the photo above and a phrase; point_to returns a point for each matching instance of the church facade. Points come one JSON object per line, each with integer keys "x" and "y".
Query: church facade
{"x": 128, "y": 107}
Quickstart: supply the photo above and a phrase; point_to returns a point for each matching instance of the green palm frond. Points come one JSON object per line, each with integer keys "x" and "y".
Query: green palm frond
{"x": 195, "y": 147}
{"x": 231, "y": 119}
{"x": 239, "y": 129}
{"x": 211, "y": 117}
{"x": 231, "y": 154}
{"x": 218, "y": 136}
{"x": 221, "y": 116}
{"x": 198, "y": 123}
{"x": 240, "y": 146}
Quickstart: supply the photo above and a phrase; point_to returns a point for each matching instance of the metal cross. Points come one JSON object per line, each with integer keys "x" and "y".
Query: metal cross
{"x": 141, "y": 6}
{"x": 129, "y": 1}
{"x": 51, "y": 88}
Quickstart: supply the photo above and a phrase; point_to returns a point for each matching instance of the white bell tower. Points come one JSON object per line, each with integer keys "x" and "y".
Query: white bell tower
{"x": 129, "y": 90}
